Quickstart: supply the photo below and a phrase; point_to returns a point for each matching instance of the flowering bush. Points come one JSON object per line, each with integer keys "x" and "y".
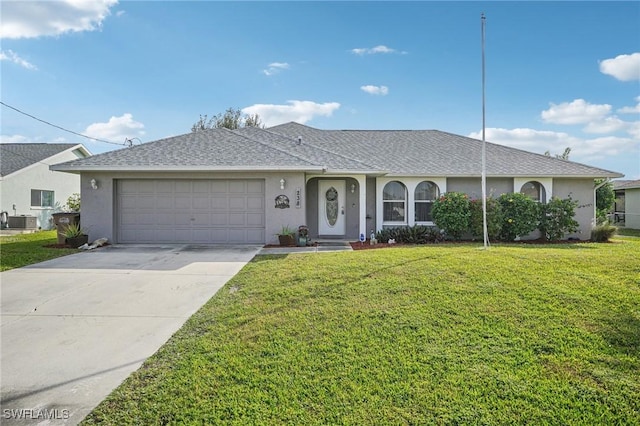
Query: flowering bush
{"x": 556, "y": 219}
{"x": 521, "y": 215}
{"x": 494, "y": 218}
{"x": 451, "y": 213}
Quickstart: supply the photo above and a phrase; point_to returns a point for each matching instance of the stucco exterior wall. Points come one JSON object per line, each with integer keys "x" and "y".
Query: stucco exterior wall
{"x": 473, "y": 186}
{"x": 580, "y": 190}
{"x": 15, "y": 189}
{"x": 632, "y": 208}
{"x": 99, "y": 205}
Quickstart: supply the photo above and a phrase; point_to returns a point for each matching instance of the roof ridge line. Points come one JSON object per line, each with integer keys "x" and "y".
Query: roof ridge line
{"x": 320, "y": 148}
{"x": 273, "y": 147}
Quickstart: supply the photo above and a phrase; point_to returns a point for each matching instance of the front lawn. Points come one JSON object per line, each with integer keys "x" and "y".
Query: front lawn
{"x": 26, "y": 249}
{"x": 444, "y": 334}
{"x": 629, "y": 232}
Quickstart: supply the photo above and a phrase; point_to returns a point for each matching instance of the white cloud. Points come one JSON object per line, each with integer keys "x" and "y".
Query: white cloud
{"x": 528, "y": 139}
{"x": 606, "y": 125}
{"x": 540, "y": 141}
{"x": 631, "y": 110}
{"x": 11, "y": 56}
{"x": 275, "y": 67}
{"x": 377, "y": 49}
{"x": 577, "y": 112}
{"x": 375, "y": 90}
{"x": 30, "y": 19}
{"x": 622, "y": 67}
{"x": 298, "y": 111}
{"x": 117, "y": 129}
{"x": 14, "y": 139}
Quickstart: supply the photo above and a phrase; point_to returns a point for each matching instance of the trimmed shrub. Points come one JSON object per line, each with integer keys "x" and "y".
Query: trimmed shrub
{"x": 494, "y": 218}
{"x": 603, "y": 233}
{"x": 418, "y": 234}
{"x": 451, "y": 213}
{"x": 521, "y": 215}
{"x": 556, "y": 218}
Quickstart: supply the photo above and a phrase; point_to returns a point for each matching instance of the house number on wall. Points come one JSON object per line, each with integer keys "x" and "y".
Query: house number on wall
{"x": 298, "y": 198}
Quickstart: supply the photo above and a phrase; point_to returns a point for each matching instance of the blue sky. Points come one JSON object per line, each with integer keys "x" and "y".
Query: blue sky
{"x": 558, "y": 74}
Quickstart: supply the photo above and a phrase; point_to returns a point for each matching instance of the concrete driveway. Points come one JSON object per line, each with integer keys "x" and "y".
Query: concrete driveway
{"x": 74, "y": 328}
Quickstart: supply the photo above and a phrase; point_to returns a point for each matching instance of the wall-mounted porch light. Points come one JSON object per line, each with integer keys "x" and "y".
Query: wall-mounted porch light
{"x": 353, "y": 188}
{"x": 94, "y": 184}
{"x": 282, "y": 182}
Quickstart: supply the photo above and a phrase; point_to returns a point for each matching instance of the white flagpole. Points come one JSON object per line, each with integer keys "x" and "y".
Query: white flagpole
{"x": 484, "y": 149}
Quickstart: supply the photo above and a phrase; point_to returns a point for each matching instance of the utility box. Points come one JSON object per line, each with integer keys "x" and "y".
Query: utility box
{"x": 62, "y": 220}
{"x": 22, "y": 222}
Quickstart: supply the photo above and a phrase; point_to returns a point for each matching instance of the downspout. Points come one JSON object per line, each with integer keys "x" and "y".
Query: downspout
{"x": 594, "y": 221}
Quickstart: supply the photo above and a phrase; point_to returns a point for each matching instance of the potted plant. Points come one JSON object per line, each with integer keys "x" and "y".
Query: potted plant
{"x": 286, "y": 236}
{"x": 303, "y": 235}
{"x": 75, "y": 235}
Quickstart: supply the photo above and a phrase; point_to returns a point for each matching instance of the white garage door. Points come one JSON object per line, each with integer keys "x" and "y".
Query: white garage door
{"x": 215, "y": 211}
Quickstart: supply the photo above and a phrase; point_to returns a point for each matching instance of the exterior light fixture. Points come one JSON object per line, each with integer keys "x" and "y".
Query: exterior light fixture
{"x": 282, "y": 182}
{"x": 353, "y": 188}
{"x": 94, "y": 184}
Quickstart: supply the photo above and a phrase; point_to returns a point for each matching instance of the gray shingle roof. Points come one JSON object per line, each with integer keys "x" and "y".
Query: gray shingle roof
{"x": 16, "y": 156}
{"x": 626, "y": 184}
{"x": 437, "y": 153}
{"x": 397, "y": 152}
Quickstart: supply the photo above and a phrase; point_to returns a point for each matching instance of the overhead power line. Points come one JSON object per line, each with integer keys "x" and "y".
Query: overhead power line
{"x": 128, "y": 142}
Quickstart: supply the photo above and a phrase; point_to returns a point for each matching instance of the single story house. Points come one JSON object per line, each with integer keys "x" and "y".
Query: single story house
{"x": 28, "y": 188}
{"x": 244, "y": 185}
{"x": 627, "y": 204}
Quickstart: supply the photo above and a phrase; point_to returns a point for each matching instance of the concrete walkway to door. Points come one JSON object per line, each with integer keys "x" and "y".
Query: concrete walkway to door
{"x": 75, "y": 327}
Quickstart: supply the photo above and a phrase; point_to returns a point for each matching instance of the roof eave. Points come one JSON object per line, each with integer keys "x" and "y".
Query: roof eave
{"x": 81, "y": 169}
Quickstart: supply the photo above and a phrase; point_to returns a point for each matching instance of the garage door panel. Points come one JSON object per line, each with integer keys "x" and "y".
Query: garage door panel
{"x": 237, "y": 202}
{"x": 201, "y": 203}
{"x": 219, "y": 219}
{"x": 255, "y": 236}
{"x": 255, "y": 187}
{"x": 237, "y": 187}
{"x": 183, "y": 201}
{"x": 191, "y": 211}
{"x": 255, "y": 203}
{"x": 165, "y": 219}
{"x": 165, "y": 186}
{"x": 237, "y": 219}
{"x": 164, "y": 202}
{"x": 255, "y": 220}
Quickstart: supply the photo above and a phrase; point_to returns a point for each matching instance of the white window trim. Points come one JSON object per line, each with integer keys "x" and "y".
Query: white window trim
{"x": 410, "y": 184}
{"x": 547, "y": 183}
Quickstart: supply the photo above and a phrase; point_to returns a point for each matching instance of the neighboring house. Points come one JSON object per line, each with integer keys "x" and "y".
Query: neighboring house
{"x": 242, "y": 186}
{"x": 627, "y": 205}
{"x": 28, "y": 187}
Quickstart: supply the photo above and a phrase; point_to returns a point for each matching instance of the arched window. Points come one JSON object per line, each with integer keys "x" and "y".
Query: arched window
{"x": 534, "y": 190}
{"x": 426, "y": 193}
{"x": 394, "y": 200}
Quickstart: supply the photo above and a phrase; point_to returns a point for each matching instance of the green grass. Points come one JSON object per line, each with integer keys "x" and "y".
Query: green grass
{"x": 26, "y": 249}
{"x": 628, "y": 232}
{"x": 444, "y": 334}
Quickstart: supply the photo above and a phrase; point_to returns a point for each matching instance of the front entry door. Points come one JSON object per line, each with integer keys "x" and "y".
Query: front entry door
{"x": 331, "y": 207}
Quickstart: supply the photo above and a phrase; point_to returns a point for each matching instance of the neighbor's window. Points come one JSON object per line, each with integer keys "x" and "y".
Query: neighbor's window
{"x": 534, "y": 190}
{"x": 394, "y": 199}
{"x": 426, "y": 193}
{"x": 41, "y": 198}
